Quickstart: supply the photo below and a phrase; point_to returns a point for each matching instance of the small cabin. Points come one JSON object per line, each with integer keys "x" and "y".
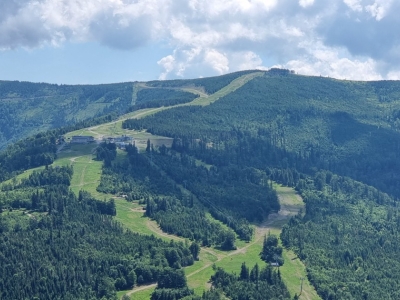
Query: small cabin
{"x": 274, "y": 264}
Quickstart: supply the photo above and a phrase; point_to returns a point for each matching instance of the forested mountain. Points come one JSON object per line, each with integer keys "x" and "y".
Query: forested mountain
{"x": 27, "y": 108}
{"x": 336, "y": 142}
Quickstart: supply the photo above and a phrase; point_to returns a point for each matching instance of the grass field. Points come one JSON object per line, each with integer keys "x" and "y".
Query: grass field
{"x": 18, "y": 178}
{"x": 131, "y": 215}
{"x": 115, "y": 129}
{"x": 233, "y": 86}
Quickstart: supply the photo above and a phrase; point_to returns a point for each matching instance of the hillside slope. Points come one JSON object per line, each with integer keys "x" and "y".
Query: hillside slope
{"x": 27, "y": 108}
{"x": 350, "y": 128}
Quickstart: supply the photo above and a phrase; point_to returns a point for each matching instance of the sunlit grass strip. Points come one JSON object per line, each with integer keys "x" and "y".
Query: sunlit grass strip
{"x": 233, "y": 86}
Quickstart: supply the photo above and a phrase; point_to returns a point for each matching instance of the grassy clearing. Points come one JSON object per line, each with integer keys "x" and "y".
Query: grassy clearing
{"x": 233, "y": 86}
{"x": 75, "y": 150}
{"x": 293, "y": 268}
{"x": 230, "y": 261}
{"x": 292, "y": 272}
{"x": 115, "y": 127}
{"x": 195, "y": 90}
{"x": 131, "y": 216}
{"x": 17, "y": 217}
{"x": 17, "y": 179}
{"x": 88, "y": 173}
{"x": 140, "y": 295}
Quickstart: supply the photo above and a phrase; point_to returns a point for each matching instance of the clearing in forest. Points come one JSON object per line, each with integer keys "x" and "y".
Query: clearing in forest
{"x": 233, "y": 86}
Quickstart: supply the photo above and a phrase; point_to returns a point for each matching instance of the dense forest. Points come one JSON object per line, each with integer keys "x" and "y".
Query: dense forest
{"x": 68, "y": 247}
{"x": 348, "y": 238}
{"x": 157, "y": 97}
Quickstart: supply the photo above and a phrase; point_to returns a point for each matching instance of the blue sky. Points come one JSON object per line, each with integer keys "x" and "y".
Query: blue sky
{"x": 81, "y": 63}
{"x": 102, "y": 41}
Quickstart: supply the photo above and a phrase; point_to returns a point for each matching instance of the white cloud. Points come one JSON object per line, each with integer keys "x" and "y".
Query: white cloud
{"x": 247, "y": 60}
{"x": 333, "y": 62}
{"x": 345, "y": 38}
{"x": 379, "y": 9}
{"x": 393, "y": 75}
{"x": 354, "y": 5}
{"x": 217, "y": 60}
{"x": 167, "y": 63}
{"x": 306, "y": 3}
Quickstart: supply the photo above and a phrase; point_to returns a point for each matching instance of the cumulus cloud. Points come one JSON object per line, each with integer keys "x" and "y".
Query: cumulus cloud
{"x": 333, "y": 62}
{"x": 354, "y": 39}
{"x": 305, "y": 3}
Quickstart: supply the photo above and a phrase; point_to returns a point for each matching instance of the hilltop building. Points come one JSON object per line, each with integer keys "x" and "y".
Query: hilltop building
{"x": 120, "y": 141}
{"x": 82, "y": 139}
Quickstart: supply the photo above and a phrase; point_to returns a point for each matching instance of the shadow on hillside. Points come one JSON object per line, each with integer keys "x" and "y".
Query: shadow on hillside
{"x": 345, "y": 128}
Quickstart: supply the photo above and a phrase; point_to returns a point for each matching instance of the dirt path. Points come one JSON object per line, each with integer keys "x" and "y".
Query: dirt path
{"x": 61, "y": 147}
{"x": 73, "y": 159}
{"x": 152, "y": 225}
{"x": 82, "y": 181}
{"x": 99, "y": 136}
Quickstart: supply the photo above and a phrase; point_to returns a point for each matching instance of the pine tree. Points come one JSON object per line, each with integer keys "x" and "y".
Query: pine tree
{"x": 148, "y": 146}
{"x": 244, "y": 272}
{"x": 255, "y": 273}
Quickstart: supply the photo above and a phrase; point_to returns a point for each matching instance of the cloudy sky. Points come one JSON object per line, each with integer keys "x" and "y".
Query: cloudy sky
{"x": 99, "y": 41}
